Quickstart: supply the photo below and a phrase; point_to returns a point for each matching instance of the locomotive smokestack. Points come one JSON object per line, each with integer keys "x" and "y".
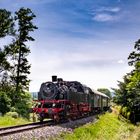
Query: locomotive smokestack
{"x": 54, "y": 78}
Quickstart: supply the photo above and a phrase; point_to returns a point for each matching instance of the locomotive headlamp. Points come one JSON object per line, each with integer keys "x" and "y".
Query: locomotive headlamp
{"x": 53, "y": 105}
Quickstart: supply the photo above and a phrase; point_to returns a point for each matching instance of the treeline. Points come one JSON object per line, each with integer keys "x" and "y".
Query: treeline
{"x": 128, "y": 93}
{"x": 14, "y": 66}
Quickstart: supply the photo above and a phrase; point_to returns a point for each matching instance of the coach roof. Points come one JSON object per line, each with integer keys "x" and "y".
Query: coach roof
{"x": 99, "y": 93}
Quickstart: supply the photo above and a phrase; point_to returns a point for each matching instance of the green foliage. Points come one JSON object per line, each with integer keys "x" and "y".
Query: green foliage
{"x": 134, "y": 56}
{"x": 10, "y": 121}
{"x": 105, "y": 91}
{"x": 6, "y": 23}
{"x": 6, "y": 28}
{"x": 25, "y": 26}
{"x": 133, "y": 86}
{"x": 124, "y": 112}
{"x": 5, "y": 102}
{"x": 23, "y": 105}
{"x": 12, "y": 114}
{"x": 4, "y": 64}
{"x": 128, "y": 94}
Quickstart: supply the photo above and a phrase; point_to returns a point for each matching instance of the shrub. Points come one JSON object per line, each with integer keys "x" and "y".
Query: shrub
{"x": 12, "y": 114}
{"x": 12, "y": 109}
{"x": 124, "y": 111}
{"x": 4, "y": 103}
{"x": 23, "y": 105}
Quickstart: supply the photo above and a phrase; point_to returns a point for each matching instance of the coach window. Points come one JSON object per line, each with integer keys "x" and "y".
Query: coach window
{"x": 98, "y": 100}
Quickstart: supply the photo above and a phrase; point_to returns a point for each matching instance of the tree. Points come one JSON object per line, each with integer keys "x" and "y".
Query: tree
{"x": 24, "y": 18}
{"x": 134, "y": 56}
{"x": 134, "y": 85}
{"x": 19, "y": 51}
{"x": 6, "y": 23}
{"x": 4, "y": 64}
{"x": 128, "y": 94}
{"x": 14, "y": 66}
{"x": 6, "y": 28}
{"x": 121, "y": 94}
{"x": 105, "y": 91}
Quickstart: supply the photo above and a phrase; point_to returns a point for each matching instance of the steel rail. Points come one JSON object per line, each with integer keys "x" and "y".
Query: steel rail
{"x": 21, "y": 128}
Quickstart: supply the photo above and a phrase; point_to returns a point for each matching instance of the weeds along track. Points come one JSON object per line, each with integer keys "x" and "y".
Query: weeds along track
{"x": 21, "y": 128}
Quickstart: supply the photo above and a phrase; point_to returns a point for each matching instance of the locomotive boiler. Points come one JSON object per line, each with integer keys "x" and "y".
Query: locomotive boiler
{"x": 58, "y": 99}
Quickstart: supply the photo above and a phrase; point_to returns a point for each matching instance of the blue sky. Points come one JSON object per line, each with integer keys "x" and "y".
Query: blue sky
{"x": 84, "y": 40}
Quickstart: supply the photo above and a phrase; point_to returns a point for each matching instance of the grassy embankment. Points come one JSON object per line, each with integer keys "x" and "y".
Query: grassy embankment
{"x": 108, "y": 127}
{"x": 9, "y": 121}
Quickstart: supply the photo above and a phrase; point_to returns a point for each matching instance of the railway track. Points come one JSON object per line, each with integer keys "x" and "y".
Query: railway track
{"x": 26, "y": 127}
{"x": 21, "y": 128}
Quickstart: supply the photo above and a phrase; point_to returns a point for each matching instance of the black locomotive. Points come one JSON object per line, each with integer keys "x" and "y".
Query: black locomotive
{"x": 60, "y": 99}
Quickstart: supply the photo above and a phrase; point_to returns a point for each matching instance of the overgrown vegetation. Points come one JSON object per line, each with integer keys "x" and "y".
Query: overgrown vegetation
{"x": 9, "y": 120}
{"x": 108, "y": 127}
{"x": 128, "y": 93}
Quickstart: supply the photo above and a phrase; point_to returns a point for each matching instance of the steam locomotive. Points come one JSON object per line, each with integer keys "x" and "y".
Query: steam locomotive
{"x": 60, "y": 99}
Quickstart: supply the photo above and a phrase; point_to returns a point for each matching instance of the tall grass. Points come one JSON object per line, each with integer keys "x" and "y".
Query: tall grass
{"x": 9, "y": 121}
{"x": 108, "y": 127}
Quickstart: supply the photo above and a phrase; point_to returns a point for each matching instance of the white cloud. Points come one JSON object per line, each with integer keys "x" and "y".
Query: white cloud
{"x": 103, "y": 17}
{"x": 115, "y": 9}
{"x": 107, "y": 9}
{"x": 105, "y": 13}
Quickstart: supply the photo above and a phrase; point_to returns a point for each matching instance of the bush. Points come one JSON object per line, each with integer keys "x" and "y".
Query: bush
{"x": 12, "y": 114}
{"x": 124, "y": 111}
{"x": 23, "y": 105}
{"x": 12, "y": 109}
{"x": 4, "y": 103}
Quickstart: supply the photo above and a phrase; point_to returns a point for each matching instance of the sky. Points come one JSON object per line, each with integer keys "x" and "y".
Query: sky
{"x": 80, "y": 40}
